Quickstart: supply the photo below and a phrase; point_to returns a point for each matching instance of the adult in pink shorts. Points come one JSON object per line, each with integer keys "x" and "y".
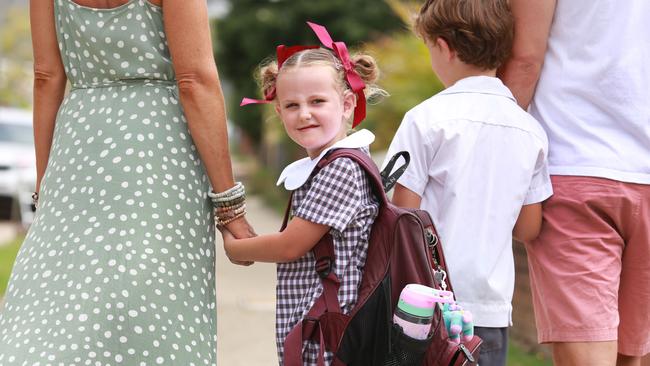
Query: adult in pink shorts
{"x": 582, "y": 68}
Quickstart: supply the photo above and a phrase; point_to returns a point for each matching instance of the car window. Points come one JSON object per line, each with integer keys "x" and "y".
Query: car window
{"x": 16, "y": 133}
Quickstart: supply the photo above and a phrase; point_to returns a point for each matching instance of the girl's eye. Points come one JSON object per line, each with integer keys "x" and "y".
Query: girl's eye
{"x": 317, "y": 101}
{"x": 290, "y": 105}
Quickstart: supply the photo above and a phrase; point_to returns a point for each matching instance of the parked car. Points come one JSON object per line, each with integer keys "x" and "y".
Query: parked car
{"x": 17, "y": 165}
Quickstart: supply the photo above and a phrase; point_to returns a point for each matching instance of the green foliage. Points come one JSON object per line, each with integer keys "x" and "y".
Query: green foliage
{"x": 518, "y": 357}
{"x": 406, "y": 76}
{"x": 252, "y": 30}
{"x": 15, "y": 58}
{"x": 8, "y": 252}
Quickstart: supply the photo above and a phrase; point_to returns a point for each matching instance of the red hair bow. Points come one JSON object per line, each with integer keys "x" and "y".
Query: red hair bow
{"x": 341, "y": 51}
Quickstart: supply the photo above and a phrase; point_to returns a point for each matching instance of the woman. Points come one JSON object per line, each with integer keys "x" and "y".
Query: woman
{"x": 118, "y": 265}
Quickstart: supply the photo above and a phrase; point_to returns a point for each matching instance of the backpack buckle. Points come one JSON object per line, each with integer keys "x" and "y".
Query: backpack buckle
{"x": 432, "y": 239}
{"x": 323, "y": 266}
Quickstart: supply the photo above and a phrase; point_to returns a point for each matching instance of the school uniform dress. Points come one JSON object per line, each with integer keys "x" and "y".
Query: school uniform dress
{"x": 339, "y": 196}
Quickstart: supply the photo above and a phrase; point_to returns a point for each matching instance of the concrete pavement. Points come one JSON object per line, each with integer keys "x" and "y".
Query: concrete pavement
{"x": 246, "y": 300}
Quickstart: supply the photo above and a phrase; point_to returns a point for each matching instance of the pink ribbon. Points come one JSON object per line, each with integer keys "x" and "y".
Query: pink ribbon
{"x": 341, "y": 51}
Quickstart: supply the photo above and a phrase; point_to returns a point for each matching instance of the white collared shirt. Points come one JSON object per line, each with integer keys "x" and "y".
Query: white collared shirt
{"x": 476, "y": 158}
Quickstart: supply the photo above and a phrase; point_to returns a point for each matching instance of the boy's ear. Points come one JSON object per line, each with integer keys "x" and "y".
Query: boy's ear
{"x": 349, "y": 103}
{"x": 446, "y": 50}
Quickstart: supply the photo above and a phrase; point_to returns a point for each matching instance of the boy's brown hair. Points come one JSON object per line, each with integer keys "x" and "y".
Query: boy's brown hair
{"x": 480, "y": 31}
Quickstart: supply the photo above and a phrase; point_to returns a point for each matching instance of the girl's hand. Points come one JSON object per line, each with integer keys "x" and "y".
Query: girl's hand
{"x": 228, "y": 241}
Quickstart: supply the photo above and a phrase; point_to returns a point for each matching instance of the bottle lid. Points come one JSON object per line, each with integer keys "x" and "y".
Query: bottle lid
{"x": 417, "y": 300}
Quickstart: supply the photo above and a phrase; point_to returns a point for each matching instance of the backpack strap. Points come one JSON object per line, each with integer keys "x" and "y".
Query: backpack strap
{"x": 365, "y": 162}
{"x": 311, "y": 328}
{"x": 388, "y": 179}
{"x": 324, "y": 249}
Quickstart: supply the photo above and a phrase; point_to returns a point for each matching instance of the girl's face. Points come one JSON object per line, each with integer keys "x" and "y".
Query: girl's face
{"x": 312, "y": 108}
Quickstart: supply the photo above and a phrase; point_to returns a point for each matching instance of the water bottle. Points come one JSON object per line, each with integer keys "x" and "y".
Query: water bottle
{"x": 415, "y": 308}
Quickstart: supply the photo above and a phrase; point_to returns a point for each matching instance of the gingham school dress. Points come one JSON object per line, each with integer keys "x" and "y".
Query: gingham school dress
{"x": 339, "y": 196}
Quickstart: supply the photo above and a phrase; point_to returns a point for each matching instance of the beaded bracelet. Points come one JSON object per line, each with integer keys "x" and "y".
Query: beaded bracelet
{"x": 35, "y": 199}
{"x": 229, "y": 211}
{"x": 229, "y": 204}
{"x": 234, "y": 202}
{"x": 220, "y": 223}
{"x": 228, "y": 195}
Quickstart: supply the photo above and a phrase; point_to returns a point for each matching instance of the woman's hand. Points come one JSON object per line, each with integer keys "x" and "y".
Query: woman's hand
{"x": 228, "y": 241}
{"x": 240, "y": 228}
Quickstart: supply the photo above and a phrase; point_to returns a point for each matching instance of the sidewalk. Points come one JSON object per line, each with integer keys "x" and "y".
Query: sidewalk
{"x": 246, "y": 300}
{"x": 8, "y": 232}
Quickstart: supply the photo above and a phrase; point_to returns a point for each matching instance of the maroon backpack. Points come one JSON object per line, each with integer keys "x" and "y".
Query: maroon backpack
{"x": 403, "y": 248}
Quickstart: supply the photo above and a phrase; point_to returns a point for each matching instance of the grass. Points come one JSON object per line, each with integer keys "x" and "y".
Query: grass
{"x": 518, "y": 357}
{"x": 8, "y": 254}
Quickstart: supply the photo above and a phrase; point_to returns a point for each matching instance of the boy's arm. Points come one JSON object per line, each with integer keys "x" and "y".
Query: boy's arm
{"x": 528, "y": 223}
{"x": 404, "y": 197}
{"x": 520, "y": 73}
{"x": 296, "y": 240}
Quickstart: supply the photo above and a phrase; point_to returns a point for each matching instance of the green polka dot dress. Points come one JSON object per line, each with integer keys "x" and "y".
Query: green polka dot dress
{"x": 118, "y": 266}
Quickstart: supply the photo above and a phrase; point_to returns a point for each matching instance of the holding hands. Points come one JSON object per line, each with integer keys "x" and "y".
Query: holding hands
{"x": 230, "y": 211}
{"x": 238, "y": 229}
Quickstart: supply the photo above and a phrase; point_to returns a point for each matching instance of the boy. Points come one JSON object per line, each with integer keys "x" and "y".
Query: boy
{"x": 478, "y": 161}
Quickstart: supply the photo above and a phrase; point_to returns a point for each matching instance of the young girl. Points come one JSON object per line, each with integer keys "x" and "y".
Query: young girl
{"x": 314, "y": 98}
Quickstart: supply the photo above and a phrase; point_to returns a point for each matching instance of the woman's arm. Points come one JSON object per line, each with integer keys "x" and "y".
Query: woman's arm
{"x": 49, "y": 80}
{"x": 528, "y": 223}
{"x": 296, "y": 240}
{"x": 520, "y": 73}
{"x": 188, "y": 35}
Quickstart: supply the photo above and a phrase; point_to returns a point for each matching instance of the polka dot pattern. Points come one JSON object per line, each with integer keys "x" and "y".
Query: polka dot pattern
{"x": 118, "y": 266}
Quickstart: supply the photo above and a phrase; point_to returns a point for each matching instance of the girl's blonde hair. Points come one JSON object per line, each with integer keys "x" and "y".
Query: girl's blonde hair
{"x": 364, "y": 65}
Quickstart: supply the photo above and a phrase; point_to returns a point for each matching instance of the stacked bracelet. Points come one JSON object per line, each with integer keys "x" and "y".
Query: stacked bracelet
{"x": 229, "y": 205}
{"x": 35, "y": 199}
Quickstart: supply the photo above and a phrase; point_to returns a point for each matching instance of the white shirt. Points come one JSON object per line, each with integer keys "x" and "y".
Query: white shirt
{"x": 593, "y": 97}
{"x": 476, "y": 158}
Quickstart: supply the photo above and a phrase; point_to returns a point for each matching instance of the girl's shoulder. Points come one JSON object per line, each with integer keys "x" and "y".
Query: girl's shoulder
{"x": 342, "y": 171}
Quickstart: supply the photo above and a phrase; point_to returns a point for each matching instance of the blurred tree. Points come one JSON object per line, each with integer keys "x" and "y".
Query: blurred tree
{"x": 15, "y": 58}
{"x": 407, "y": 76}
{"x": 253, "y": 28}
{"x": 404, "y": 62}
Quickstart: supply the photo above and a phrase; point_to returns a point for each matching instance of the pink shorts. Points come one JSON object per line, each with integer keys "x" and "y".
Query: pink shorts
{"x": 590, "y": 266}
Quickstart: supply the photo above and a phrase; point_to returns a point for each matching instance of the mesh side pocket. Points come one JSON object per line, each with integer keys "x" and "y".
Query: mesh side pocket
{"x": 406, "y": 351}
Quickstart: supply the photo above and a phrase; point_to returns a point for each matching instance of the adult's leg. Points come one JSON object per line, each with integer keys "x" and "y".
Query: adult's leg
{"x": 494, "y": 349}
{"x": 575, "y": 268}
{"x": 584, "y": 353}
{"x": 634, "y": 290}
{"x": 593, "y": 353}
{"x": 645, "y": 361}
{"x": 624, "y": 360}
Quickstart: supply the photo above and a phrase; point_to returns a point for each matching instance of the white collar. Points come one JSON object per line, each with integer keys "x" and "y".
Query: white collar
{"x": 297, "y": 173}
{"x": 480, "y": 84}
